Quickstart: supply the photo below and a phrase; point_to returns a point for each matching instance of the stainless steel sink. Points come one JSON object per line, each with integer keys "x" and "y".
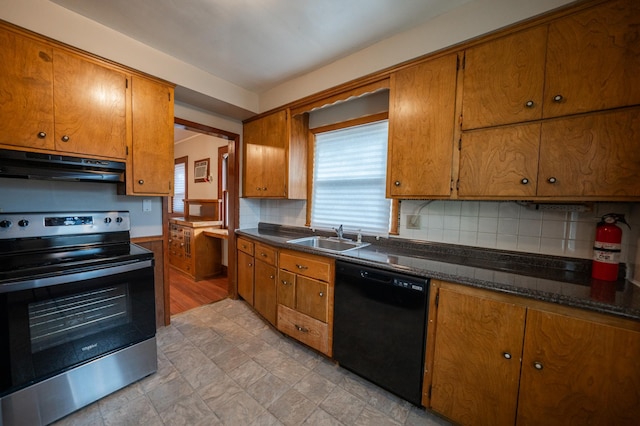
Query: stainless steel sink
{"x": 331, "y": 244}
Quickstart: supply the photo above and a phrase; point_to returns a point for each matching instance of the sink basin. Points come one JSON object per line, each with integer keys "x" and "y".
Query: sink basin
{"x": 328, "y": 244}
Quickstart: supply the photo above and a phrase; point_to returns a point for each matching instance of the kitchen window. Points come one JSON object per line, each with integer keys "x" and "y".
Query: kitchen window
{"x": 349, "y": 177}
{"x": 179, "y": 185}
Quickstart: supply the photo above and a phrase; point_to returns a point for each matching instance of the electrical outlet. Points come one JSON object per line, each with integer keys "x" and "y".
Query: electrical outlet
{"x": 146, "y": 205}
{"x": 413, "y": 221}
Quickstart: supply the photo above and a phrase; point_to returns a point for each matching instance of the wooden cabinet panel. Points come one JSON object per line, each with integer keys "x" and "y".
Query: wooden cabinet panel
{"x": 593, "y": 59}
{"x": 304, "y": 328}
{"x": 504, "y": 79}
{"x": 577, "y": 372}
{"x": 312, "y": 298}
{"x": 287, "y": 289}
{"x": 193, "y": 252}
{"x": 245, "y": 246}
{"x": 477, "y": 359}
{"x": 421, "y": 126}
{"x": 90, "y": 107}
{"x": 307, "y": 265}
{"x": 264, "y": 294}
{"x": 245, "y": 276}
{"x": 596, "y": 155}
{"x": 151, "y": 161}
{"x": 26, "y": 97}
{"x": 500, "y": 161}
{"x": 265, "y": 254}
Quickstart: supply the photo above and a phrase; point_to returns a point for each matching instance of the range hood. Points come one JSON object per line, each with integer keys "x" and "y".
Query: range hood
{"x": 34, "y": 165}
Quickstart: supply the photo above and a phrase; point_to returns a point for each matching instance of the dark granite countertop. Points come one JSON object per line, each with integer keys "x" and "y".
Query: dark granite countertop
{"x": 562, "y": 280}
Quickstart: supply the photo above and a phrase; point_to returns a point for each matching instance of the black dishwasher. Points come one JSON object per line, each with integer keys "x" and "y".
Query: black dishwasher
{"x": 380, "y": 327}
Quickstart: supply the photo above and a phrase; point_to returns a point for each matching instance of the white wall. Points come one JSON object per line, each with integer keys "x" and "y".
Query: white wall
{"x": 198, "y": 148}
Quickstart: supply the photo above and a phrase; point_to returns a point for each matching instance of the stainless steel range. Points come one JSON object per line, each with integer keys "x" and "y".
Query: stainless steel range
{"x": 77, "y": 312}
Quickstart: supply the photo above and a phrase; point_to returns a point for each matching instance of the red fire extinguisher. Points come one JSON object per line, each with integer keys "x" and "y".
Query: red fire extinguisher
{"x": 606, "y": 248}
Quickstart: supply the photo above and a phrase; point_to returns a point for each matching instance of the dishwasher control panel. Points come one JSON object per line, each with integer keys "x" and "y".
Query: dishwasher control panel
{"x": 408, "y": 284}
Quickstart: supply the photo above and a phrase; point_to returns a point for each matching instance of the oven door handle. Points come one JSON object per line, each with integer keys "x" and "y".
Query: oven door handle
{"x": 83, "y": 275}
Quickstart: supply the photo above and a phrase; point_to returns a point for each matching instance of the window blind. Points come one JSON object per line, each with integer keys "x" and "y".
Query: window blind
{"x": 179, "y": 187}
{"x": 349, "y": 176}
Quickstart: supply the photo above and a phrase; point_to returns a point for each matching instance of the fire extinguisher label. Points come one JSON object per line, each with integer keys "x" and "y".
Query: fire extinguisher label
{"x": 612, "y": 257}
{"x": 599, "y": 245}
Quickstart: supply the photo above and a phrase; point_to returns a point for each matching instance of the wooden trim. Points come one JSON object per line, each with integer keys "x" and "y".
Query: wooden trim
{"x": 202, "y": 128}
{"x": 149, "y": 239}
{"x": 351, "y": 123}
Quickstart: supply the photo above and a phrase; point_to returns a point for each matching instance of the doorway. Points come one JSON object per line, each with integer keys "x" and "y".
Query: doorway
{"x": 210, "y": 289}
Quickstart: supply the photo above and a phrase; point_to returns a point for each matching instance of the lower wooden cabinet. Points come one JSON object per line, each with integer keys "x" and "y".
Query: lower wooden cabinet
{"x": 264, "y": 290}
{"x": 245, "y": 269}
{"x": 505, "y": 360}
{"x": 305, "y": 298}
{"x": 194, "y": 253}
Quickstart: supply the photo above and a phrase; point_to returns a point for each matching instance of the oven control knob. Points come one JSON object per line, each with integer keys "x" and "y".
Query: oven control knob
{"x": 107, "y": 220}
{"x": 23, "y": 223}
{"x": 5, "y": 223}
{"x": 118, "y": 219}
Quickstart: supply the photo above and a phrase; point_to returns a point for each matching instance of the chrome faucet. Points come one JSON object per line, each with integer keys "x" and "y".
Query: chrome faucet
{"x": 339, "y": 231}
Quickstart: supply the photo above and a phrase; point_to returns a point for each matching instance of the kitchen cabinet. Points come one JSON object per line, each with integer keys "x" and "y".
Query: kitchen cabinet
{"x": 598, "y": 157}
{"x": 150, "y": 164}
{"x": 581, "y": 62}
{"x": 245, "y": 269}
{"x": 305, "y": 298}
{"x": 421, "y": 129}
{"x": 192, "y": 252}
{"x": 275, "y": 156}
{"x": 60, "y": 101}
{"x": 504, "y": 360}
{"x": 264, "y": 291}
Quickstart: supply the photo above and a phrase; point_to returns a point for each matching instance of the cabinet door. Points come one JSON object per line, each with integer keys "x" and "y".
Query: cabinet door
{"x": 421, "y": 125}
{"x": 245, "y": 276}
{"x": 501, "y": 162}
{"x": 312, "y": 298}
{"x": 26, "y": 97}
{"x": 504, "y": 79}
{"x": 287, "y": 289}
{"x": 265, "y": 141}
{"x": 594, "y": 155}
{"x": 593, "y": 59}
{"x": 90, "y": 107}
{"x": 477, "y": 359}
{"x": 577, "y": 372}
{"x": 264, "y": 294}
{"x": 152, "y": 132}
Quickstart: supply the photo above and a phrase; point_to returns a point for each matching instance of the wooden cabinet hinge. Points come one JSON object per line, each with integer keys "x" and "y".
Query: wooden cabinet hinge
{"x": 127, "y": 150}
{"x": 430, "y": 389}
{"x": 169, "y": 96}
{"x": 458, "y": 185}
{"x": 126, "y": 83}
{"x": 464, "y": 59}
{"x": 460, "y": 144}
{"x": 437, "y": 299}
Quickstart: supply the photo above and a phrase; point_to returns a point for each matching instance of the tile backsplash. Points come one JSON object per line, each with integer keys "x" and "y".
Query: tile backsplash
{"x": 505, "y": 225}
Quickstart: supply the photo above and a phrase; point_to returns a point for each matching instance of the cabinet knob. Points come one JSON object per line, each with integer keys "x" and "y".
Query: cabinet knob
{"x": 250, "y": 264}
{"x": 271, "y": 277}
{"x": 42, "y": 135}
{"x": 65, "y": 138}
{"x": 557, "y": 98}
{"x": 285, "y": 282}
{"x": 524, "y": 181}
{"x": 264, "y": 188}
{"x": 141, "y": 181}
{"x": 396, "y": 183}
{"x": 538, "y": 365}
{"x": 263, "y": 254}
{"x": 301, "y": 266}
{"x": 301, "y": 329}
{"x": 507, "y": 355}
{"x": 552, "y": 180}
{"x": 321, "y": 294}
{"x": 529, "y": 104}
{"x": 258, "y": 189}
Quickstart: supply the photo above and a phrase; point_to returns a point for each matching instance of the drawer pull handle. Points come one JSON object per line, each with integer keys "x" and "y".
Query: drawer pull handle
{"x": 301, "y": 266}
{"x": 42, "y": 135}
{"x": 321, "y": 294}
{"x": 263, "y": 254}
{"x": 301, "y": 329}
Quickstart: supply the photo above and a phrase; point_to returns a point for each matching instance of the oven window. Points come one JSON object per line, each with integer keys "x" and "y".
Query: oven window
{"x": 70, "y": 318}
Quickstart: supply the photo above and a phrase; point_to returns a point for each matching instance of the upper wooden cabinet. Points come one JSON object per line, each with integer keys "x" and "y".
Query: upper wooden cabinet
{"x": 593, "y": 59}
{"x": 595, "y": 156}
{"x": 60, "y": 101}
{"x": 581, "y": 62}
{"x": 150, "y": 165}
{"x": 275, "y": 155}
{"x": 26, "y": 97}
{"x": 504, "y": 79}
{"x": 503, "y": 360}
{"x": 421, "y": 129}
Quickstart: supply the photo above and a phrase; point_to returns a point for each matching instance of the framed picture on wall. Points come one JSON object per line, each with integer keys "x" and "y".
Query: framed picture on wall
{"x": 201, "y": 170}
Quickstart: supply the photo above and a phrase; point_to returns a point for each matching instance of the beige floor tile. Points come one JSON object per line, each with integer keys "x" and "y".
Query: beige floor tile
{"x": 190, "y": 410}
{"x": 315, "y": 387}
{"x": 139, "y": 411}
{"x": 242, "y": 409}
{"x": 267, "y": 389}
{"x": 292, "y": 408}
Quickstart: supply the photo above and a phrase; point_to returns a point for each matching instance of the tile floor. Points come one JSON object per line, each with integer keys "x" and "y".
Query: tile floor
{"x": 221, "y": 364}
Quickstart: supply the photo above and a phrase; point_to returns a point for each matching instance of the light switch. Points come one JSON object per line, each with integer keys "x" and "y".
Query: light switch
{"x": 146, "y": 205}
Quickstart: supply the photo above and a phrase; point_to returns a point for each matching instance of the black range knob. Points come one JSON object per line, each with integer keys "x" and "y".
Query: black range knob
{"x": 118, "y": 219}
{"x": 23, "y": 223}
{"x": 5, "y": 223}
{"x": 107, "y": 220}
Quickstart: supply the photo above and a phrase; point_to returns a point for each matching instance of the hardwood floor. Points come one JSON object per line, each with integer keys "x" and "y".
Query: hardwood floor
{"x": 185, "y": 293}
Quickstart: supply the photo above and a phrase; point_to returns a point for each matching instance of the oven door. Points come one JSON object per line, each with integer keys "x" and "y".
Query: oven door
{"x": 52, "y": 324}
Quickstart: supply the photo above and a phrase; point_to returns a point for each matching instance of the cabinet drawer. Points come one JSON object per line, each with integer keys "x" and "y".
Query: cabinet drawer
{"x": 310, "y": 266}
{"x": 245, "y": 246}
{"x": 266, "y": 254}
{"x": 311, "y": 298}
{"x": 286, "y": 289}
{"x": 307, "y": 330}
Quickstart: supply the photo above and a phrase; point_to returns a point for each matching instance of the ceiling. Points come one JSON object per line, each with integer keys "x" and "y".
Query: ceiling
{"x": 259, "y": 44}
